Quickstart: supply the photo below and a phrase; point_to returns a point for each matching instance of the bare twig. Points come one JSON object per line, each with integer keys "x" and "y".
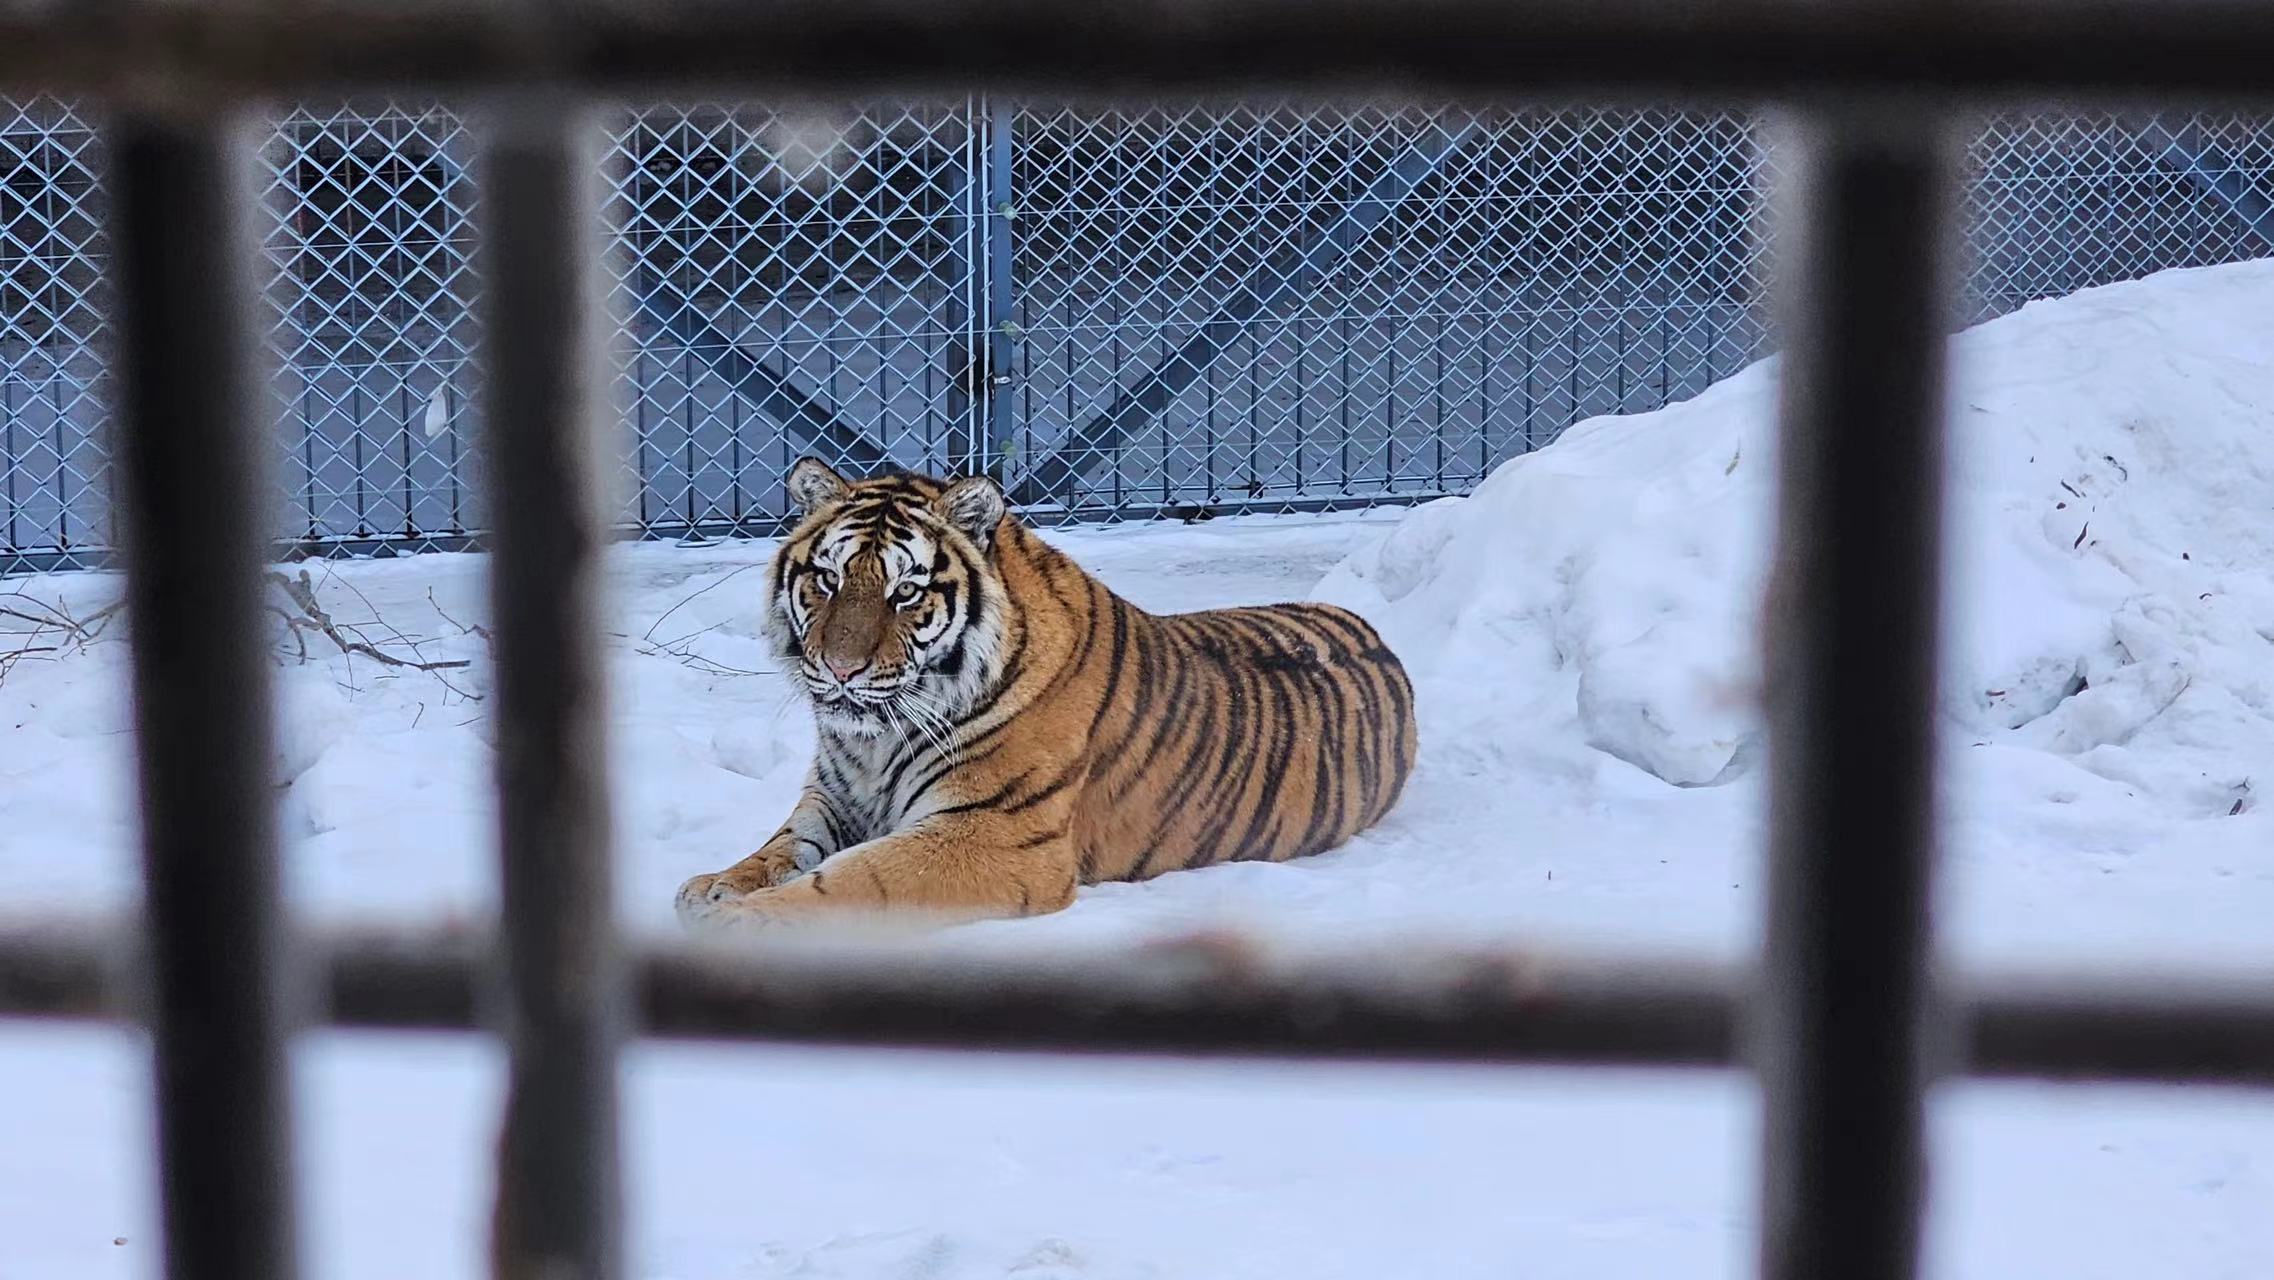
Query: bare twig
{"x": 50, "y": 618}
{"x": 302, "y": 592}
{"x": 52, "y": 614}
{"x": 93, "y": 626}
{"x": 678, "y": 649}
{"x": 476, "y": 630}
{"x": 696, "y": 661}
{"x": 292, "y": 628}
{"x": 9, "y": 659}
{"x": 394, "y": 633}
{"x": 690, "y": 599}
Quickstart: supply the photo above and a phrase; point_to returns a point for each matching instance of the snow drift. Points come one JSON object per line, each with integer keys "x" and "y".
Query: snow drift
{"x": 2111, "y": 552}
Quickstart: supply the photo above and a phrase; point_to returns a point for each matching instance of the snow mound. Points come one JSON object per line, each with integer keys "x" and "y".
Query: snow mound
{"x": 2112, "y": 555}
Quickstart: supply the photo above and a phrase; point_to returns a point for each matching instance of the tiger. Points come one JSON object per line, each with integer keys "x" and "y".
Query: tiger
{"x": 995, "y": 728}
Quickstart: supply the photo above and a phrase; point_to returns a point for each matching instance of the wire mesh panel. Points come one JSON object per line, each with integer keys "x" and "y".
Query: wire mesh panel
{"x": 54, "y": 463}
{"x": 1127, "y": 313}
{"x": 1268, "y": 306}
{"x": 792, "y": 284}
{"x": 2059, "y": 203}
{"x": 369, "y": 239}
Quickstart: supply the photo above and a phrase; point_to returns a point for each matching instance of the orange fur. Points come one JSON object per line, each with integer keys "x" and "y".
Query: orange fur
{"x": 997, "y": 728}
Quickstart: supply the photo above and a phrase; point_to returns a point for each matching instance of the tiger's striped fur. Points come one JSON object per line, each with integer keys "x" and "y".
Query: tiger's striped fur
{"x": 997, "y": 728}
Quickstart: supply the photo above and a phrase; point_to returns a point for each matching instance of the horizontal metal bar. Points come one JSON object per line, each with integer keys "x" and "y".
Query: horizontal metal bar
{"x": 1744, "y": 48}
{"x": 1210, "y": 997}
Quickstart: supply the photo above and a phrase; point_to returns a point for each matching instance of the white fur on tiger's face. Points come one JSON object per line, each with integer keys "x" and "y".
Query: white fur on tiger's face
{"x": 884, "y": 602}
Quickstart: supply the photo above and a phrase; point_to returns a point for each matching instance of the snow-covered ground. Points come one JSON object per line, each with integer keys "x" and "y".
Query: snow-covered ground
{"x": 1580, "y": 636}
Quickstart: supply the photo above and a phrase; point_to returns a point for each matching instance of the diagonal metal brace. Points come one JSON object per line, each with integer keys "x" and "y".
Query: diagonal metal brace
{"x": 761, "y": 388}
{"x": 2186, "y": 151}
{"x": 671, "y": 310}
{"x": 1286, "y": 276}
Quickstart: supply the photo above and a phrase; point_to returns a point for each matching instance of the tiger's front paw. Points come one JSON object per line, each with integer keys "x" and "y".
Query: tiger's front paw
{"x": 706, "y": 900}
{"x": 713, "y": 905}
{"x": 703, "y": 898}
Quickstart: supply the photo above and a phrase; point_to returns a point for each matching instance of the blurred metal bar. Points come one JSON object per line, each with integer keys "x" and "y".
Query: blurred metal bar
{"x": 1507, "y": 1007}
{"x": 558, "y": 1200}
{"x": 2202, "y": 1031}
{"x": 1740, "y": 48}
{"x": 192, "y": 463}
{"x": 1844, "y": 1017}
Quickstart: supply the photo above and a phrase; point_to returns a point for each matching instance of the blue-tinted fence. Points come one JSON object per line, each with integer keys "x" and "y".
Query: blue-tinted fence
{"x": 1122, "y": 314}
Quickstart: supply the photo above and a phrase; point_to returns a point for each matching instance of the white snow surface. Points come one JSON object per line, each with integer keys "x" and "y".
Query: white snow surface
{"x": 1581, "y": 636}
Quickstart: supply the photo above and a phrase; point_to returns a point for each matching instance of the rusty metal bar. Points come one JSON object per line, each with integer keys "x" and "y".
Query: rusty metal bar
{"x": 1727, "y": 48}
{"x": 1844, "y": 1017}
{"x": 557, "y": 1196}
{"x": 192, "y": 459}
{"x": 1511, "y": 1008}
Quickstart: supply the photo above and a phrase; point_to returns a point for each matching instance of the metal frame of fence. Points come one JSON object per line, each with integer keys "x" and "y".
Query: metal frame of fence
{"x": 1847, "y": 1024}
{"x": 1271, "y": 306}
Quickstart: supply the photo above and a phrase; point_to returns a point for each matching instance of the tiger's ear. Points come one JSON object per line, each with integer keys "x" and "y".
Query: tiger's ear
{"x": 975, "y": 505}
{"x": 814, "y": 484}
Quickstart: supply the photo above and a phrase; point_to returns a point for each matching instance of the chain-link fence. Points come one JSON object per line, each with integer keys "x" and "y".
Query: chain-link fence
{"x": 1121, "y": 314}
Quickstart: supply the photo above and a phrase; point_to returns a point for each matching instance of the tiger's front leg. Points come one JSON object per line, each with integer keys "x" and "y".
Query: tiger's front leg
{"x": 945, "y": 869}
{"x": 808, "y": 836}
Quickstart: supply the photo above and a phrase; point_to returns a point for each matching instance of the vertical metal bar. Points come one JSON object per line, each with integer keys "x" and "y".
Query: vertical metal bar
{"x": 1006, "y": 412}
{"x": 8, "y": 460}
{"x": 1531, "y": 367}
{"x": 193, "y": 452}
{"x": 1844, "y": 1011}
{"x": 643, "y": 395}
{"x": 687, "y": 430}
{"x": 304, "y": 403}
{"x": 557, "y": 1195}
{"x": 410, "y": 496}
{"x": 355, "y": 426}
{"x": 994, "y": 321}
{"x": 56, "y": 444}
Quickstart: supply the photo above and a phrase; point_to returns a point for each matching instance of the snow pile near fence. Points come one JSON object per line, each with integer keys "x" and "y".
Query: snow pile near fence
{"x": 2112, "y": 551}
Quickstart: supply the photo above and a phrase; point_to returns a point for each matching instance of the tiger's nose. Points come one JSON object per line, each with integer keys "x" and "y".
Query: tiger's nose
{"x": 846, "y": 668}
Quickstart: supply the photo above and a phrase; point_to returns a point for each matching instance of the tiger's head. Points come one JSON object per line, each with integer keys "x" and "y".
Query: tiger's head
{"x": 886, "y": 597}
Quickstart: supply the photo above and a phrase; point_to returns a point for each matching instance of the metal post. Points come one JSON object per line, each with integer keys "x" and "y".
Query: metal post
{"x": 1002, "y": 417}
{"x": 1844, "y": 1012}
{"x": 557, "y": 1195}
{"x": 193, "y": 452}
